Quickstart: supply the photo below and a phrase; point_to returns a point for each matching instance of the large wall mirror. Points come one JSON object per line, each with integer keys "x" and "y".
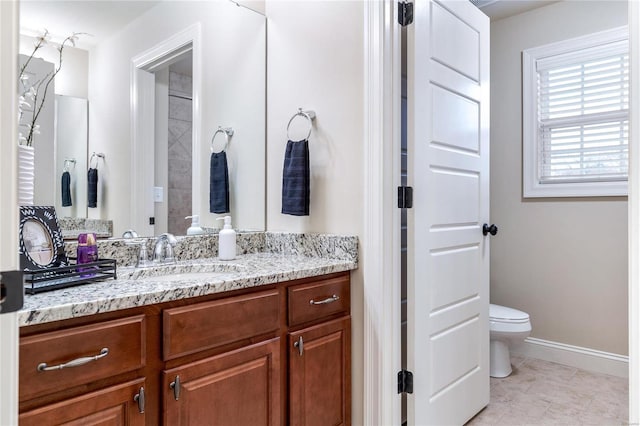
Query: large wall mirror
{"x": 152, "y": 171}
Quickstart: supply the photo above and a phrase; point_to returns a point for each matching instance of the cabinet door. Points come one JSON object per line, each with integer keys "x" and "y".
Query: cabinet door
{"x": 240, "y": 387}
{"x": 320, "y": 374}
{"x": 115, "y": 405}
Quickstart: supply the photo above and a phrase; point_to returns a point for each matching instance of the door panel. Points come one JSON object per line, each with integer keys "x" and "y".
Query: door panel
{"x": 319, "y": 374}
{"x": 456, "y": 193}
{"x": 459, "y": 130}
{"x": 448, "y": 257}
{"x": 460, "y": 265}
{"x": 454, "y": 42}
{"x": 111, "y": 406}
{"x": 239, "y": 387}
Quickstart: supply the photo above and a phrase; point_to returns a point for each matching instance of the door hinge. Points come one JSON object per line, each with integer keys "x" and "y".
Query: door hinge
{"x": 405, "y": 197}
{"x": 405, "y": 13}
{"x": 405, "y": 381}
{"x": 11, "y": 291}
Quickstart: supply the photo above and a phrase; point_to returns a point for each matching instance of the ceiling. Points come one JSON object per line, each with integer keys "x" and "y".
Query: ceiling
{"x": 498, "y": 9}
{"x": 101, "y": 18}
{"x": 98, "y": 18}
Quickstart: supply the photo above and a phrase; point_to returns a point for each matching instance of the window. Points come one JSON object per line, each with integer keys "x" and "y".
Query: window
{"x": 575, "y": 97}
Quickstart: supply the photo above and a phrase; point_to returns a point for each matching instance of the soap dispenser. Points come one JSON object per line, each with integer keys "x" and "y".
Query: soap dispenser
{"x": 226, "y": 240}
{"x": 195, "y": 228}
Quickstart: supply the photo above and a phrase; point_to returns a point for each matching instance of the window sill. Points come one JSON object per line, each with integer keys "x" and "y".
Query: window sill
{"x": 585, "y": 189}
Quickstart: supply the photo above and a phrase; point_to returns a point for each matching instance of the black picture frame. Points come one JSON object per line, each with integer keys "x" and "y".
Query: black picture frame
{"x": 40, "y": 241}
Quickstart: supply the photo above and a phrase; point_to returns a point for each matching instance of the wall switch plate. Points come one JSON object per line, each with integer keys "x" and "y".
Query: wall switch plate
{"x": 158, "y": 194}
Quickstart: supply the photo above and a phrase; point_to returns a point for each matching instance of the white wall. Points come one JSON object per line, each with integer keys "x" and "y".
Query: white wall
{"x": 231, "y": 35}
{"x": 72, "y": 80}
{"x": 315, "y": 61}
{"x": 564, "y": 261}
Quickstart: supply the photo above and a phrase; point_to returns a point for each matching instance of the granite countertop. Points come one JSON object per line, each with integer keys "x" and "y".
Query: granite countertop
{"x": 197, "y": 277}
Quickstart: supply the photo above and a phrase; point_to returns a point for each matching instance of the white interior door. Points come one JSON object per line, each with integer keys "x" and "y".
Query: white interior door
{"x": 8, "y": 206}
{"x": 448, "y": 256}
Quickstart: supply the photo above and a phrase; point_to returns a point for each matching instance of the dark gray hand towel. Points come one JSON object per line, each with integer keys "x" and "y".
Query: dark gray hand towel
{"x": 66, "y": 189}
{"x": 296, "y": 179}
{"x": 92, "y": 188}
{"x": 218, "y": 183}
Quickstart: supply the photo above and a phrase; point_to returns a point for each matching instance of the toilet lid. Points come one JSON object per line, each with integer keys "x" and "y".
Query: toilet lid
{"x": 504, "y": 314}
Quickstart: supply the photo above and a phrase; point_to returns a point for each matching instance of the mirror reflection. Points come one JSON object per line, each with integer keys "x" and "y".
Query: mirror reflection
{"x": 71, "y": 139}
{"x": 155, "y": 171}
{"x": 37, "y": 242}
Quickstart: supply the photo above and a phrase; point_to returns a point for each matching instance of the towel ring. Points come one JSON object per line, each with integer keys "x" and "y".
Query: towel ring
{"x": 228, "y": 132}
{"x": 309, "y": 115}
{"x": 66, "y": 163}
{"x": 96, "y": 156}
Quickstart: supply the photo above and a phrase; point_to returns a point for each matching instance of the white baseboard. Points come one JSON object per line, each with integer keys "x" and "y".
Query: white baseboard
{"x": 574, "y": 356}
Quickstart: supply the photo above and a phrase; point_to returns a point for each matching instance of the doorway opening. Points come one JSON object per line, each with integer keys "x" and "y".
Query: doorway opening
{"x": 153, "y": 192}
{"x": 173, "y": 146}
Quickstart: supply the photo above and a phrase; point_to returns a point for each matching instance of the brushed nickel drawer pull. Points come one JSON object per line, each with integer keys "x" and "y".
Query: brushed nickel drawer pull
{"x": 300, "y": 345}
{"x": 325, "y": 301}
{"x": 175, "y": 385}
{"x": 74, "y": 362}
{"x": 139, "y": 398}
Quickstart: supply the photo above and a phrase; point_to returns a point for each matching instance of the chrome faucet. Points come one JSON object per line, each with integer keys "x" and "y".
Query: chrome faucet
{"x": 163, "y": 249}
{"x": 129, "y": 233}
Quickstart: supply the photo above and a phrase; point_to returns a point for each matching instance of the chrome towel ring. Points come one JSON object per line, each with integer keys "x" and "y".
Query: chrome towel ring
{"x": 68, "y": 161}
{"x": 309, "y": 115}
{"x": 228, "y": 132}
{"x": 96, "y": 157}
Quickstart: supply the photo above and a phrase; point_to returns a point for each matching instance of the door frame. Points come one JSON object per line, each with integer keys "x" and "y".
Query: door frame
{"x": 9, "y": 33}
{"x": 143, "y": 120}
{"x": 381, "y": 237}
{"x": 634, "y": 214}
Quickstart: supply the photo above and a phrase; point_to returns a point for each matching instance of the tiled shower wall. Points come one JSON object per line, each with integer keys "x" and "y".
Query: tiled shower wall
{"x": 180, "y": 155}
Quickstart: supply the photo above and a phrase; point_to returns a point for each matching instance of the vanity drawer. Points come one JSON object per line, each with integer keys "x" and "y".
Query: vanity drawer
{"x": 194, "y": 328}
{"x": 317, "y": 300}
{"x": 80, "y": 355}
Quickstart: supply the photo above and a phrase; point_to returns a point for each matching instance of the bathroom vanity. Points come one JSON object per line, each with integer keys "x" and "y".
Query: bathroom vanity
{"x": 264, "y": 339}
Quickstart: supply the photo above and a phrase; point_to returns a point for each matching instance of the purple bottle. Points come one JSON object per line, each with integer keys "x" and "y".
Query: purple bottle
{"x": 87, "y": 251}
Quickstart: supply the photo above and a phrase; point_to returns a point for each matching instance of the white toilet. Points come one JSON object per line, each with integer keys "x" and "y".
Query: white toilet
{"x": 506, "y": 326}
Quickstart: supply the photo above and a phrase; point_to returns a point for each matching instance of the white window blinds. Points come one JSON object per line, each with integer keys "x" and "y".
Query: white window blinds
{"x": 583, "y": 110}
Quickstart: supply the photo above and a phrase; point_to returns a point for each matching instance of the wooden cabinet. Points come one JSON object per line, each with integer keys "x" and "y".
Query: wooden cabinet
{"x": 115, "y": 405}
{"x": 320, "y": 355}
{"x": 273, "y": 355}
{"x": 240, "y": 387}
{"x": 320, "y": 374}
{"x": 80, "y": 355}
{"x": 194, "y": 328}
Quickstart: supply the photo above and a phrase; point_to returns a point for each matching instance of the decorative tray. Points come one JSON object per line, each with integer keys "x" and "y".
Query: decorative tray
{"x": 67, "y": 276}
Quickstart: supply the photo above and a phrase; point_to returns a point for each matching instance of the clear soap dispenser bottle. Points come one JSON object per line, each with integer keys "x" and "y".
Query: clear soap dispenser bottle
{"x": 226, "y": 240}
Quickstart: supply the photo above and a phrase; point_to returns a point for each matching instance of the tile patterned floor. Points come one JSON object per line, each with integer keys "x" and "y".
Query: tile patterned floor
{"x": 545, "y": 393}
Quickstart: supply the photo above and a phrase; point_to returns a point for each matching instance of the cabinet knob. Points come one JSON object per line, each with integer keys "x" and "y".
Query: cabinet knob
{"x": 300, "y": 345}
{"x": 175, "y": 385}
{"x": 139, "y": 398}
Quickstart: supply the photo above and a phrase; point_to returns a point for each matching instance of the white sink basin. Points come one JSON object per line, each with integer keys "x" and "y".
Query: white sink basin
{"x": 183, "y": 271}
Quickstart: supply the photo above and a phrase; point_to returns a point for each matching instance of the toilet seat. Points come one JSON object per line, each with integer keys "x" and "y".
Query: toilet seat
{"x": 502, "y": 314}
